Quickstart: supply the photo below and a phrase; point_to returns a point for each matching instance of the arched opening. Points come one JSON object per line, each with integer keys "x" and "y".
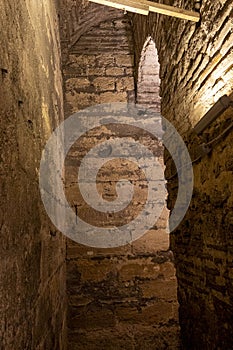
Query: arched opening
{"x": 148, "y": 83}
{"x": 147, "y": 97}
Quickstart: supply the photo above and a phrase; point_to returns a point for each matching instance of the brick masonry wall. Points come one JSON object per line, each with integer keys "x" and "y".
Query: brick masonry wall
{"x": 32, "y": 268}
{"x": 98, "y": 68}
{"x": 120, "y": 297}
{"x": 196, "y": 69}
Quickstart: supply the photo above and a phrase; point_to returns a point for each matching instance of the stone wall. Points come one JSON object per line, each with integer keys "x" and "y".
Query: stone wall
{"x": 32, "y": 269}
{"x": 98, "y": 68}
{"x": 121, "y": 297}
{"x": 196, "y": 69}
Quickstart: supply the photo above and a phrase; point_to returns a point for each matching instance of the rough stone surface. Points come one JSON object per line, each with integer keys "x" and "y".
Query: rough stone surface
{"x": 32, "y": 269}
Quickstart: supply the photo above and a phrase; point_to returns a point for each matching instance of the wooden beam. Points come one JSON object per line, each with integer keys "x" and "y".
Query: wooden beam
{"x": 143, "y": 7}
{"x": 173, "y": 11}
{"x": 126, "y": 5}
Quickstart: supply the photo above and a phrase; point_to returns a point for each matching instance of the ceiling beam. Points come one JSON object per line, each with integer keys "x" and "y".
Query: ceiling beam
{"x": 126, "y": 5}
{"x": 144, "y": 7}
{"x": 173, "y": 11}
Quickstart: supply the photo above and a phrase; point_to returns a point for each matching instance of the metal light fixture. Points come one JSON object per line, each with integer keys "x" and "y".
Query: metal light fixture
{"x": 218, "y": 108}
